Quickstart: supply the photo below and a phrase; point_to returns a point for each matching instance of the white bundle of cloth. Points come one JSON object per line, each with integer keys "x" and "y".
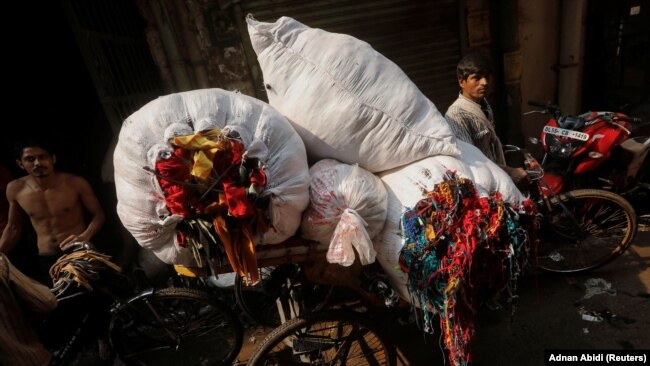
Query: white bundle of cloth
{"x": 145, "y": 138}
{"x": 347, "y": 101}
{"x": 347, "y": 208}
{"x": 409, "y": 184}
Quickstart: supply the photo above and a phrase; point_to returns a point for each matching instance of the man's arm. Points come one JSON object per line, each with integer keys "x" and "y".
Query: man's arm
{"x": 92, "y": 207}
{"x": 15, "y": 221}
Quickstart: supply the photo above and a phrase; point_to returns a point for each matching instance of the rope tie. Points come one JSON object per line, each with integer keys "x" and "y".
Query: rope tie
{"x": 81, "y": 266}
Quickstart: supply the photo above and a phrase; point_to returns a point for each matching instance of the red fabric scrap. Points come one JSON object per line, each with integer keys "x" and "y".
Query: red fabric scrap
{"x": 258, "y": 177}
{"x": 175, "y": 169}
{"x": 237, "y": 201}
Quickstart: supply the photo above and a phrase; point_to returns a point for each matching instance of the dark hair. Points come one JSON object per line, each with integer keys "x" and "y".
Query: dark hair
{"x": 473, "y": 63}
{"x": 20, "y": 145}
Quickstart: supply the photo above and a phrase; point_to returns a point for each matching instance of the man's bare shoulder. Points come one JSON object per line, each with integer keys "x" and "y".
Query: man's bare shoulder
{"x": 17, "y": 185}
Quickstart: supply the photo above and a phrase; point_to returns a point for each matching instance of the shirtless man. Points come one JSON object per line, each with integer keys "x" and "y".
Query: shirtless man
{"x": 56, "y": 203}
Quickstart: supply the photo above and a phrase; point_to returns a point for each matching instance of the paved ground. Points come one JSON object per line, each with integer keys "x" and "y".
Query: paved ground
{"x": 549, "y": 316}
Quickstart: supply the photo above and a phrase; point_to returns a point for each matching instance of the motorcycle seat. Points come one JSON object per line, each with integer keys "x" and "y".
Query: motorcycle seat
{"x": 637, "y": 146}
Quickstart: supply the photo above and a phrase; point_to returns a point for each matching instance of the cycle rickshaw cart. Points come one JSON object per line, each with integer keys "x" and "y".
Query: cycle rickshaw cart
{"x": 187, "y": 323}
{"x": 191, "y": 322}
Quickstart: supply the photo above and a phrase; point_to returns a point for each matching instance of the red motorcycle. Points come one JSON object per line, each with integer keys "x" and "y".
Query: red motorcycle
{"x": 596, "y": 150}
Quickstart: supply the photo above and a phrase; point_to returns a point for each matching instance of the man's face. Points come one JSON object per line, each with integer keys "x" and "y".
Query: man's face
{"x": 37, "y": 161}
{"x": 475, "y": 87}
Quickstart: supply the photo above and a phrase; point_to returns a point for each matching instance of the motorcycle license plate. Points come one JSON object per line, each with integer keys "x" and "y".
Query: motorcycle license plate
{"x": 576, "y": 135}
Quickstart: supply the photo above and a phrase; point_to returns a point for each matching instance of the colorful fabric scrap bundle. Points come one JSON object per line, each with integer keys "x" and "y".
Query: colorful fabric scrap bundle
{"x": 458, "y": 247}
{"x": 210, "y": 182}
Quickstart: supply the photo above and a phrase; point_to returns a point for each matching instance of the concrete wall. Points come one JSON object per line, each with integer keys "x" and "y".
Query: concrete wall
{"x": 539, "y": 44}
{"x": 573, "y": 21}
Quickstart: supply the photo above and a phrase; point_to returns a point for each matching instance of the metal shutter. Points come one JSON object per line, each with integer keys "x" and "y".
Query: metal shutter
{"x": 110, "y": 34}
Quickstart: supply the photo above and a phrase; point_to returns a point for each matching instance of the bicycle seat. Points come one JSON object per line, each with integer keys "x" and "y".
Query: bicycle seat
{"x": 571, "y": 122}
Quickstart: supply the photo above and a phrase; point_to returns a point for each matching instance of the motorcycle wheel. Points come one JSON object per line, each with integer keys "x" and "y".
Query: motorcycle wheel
{"x": 585, "y": 229}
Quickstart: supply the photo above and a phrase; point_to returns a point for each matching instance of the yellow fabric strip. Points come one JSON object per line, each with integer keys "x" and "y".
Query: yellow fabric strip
{"x": 205, "y": 145}
{"x": 239, "y": 248}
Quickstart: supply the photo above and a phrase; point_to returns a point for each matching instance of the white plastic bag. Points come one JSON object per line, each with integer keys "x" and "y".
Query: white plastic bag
{"x": 347, "y": 101}
{"x": 350, "y": 233}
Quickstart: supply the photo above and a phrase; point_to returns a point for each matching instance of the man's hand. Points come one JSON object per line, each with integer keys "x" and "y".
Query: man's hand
{"x": 516, "y": 174}
{"x": 71, "y": 239}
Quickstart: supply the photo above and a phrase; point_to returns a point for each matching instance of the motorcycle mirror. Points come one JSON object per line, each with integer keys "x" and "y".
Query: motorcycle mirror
{"x": 533, "y": 140}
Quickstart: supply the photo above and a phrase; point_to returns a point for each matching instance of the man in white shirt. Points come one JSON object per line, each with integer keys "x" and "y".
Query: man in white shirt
{"x": 470, "y": 116}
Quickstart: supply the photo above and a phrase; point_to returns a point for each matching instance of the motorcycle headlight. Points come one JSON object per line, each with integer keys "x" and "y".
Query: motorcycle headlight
{"x": 561, "y": 149}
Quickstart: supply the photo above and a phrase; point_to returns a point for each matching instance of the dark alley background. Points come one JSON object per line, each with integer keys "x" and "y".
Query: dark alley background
{"x": 49, "y": 92}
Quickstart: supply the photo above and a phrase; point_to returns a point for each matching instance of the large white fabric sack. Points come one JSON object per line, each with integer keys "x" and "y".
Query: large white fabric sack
{"x": 347, "y": 208}
{"x": 409, "y": 184}
{"x": 347, "y": 101}
{"x": 265, "y": 133}
{"x": 486, "y": 175}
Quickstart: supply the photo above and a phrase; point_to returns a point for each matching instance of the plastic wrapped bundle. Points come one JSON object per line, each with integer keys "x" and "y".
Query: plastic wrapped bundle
{"x": 347, "y": 101}
{"x": 347, "y": 209}
{"x": 241, "y": 129}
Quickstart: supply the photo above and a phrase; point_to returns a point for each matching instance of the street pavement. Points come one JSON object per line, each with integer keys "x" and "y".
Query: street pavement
{"x": 608, "y": 308}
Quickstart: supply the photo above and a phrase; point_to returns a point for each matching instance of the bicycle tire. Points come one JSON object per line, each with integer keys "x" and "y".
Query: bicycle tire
{"x": 607, "y": 225}
{"x": 336, "y": 337}
{"x": 284, "y": 282}
{"x": 175, "y": 326}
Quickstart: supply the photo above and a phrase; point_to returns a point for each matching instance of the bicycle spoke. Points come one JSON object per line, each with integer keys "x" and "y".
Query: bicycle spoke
{"x": 597, "y": 227}
{"x": 205, "y": 332}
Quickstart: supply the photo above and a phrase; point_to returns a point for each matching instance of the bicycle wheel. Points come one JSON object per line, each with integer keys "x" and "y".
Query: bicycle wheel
{"x": 596, "y": 227}
{"x": 325, "y": 338}
{"x": 175, "y": 326}
{"x": 280, "y": 289}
